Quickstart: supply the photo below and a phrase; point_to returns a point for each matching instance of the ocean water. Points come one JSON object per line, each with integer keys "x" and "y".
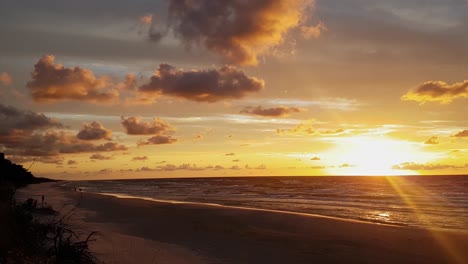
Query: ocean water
{"x": 439, "y": 202}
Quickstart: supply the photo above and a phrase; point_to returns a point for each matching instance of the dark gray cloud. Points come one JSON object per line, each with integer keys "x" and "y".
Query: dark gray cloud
{"x": 211, "y": 85}
{"x": 437, "y": 91}
{"x": 50, "y": 143}
{"x": 53, "y": 82}
{"x": 139, "y": 158}
{"x": 94, "y": 131}
{"x": 240, "y": 31}
{"x": 16, "y": 121}
{"x": 98, "y": 156}
{"x": 136, "y": 126}
{"x": 270, "y": 112}
{"x": 26, "y": 133}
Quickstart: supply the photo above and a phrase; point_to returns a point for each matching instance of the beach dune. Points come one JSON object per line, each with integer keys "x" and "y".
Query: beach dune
{"x": 141, "y": 231}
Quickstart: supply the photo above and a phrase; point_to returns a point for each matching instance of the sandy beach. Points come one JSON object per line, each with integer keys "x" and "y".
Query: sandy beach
{"x": 141, "y": 231}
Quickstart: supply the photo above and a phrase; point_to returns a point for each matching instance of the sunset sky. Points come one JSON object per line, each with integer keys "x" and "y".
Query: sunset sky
{"x": 170, "y": 88}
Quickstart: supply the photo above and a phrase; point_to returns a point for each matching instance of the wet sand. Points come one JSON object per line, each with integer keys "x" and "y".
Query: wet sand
{"x": 141, "y": 231}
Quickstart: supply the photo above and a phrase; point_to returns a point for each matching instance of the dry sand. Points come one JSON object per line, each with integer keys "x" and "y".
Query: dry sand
{"x": 140, "y": 231}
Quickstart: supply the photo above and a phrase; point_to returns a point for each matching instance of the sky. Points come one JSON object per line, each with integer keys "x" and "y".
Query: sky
{"x": 174, "y": 88}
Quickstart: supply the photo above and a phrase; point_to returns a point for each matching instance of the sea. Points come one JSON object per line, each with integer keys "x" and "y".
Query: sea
{"x": 437, "y": 202}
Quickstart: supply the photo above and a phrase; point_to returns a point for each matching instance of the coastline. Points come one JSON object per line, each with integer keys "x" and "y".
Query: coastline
{"x": 140, "y": 231}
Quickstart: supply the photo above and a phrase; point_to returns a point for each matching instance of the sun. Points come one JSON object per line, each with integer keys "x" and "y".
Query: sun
{"x": 376, "y": 155}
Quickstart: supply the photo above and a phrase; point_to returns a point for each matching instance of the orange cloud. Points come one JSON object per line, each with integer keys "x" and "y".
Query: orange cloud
{"x": 211, "y": 85}
{"x": 309, "y": 32}
{"x": 146, "y": 19}
{"x": 240, "y": 31}
{"x": 432, "y": 141}
{"x": 270, "y": 112}
{"x": 158, "y": 140}
{"x": 135, "y": 126}
{"x": 5, "y": 79}
{"x": 437, "y": 91}
{"x": 54, "y": 82}
{"x": 463, "y": 133}
{"x": 94, "y": 131}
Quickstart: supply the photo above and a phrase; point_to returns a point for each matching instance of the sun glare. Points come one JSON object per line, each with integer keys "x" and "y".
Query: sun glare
{"x": 374, "y": 156}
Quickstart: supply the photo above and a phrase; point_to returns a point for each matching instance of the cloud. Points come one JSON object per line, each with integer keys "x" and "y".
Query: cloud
{"x": 463, "y": 133}
{"x": 53, "y": 82}
{"x": 261, "y": 167}
{"x": 210, "y": 85}
{"x": 158, "y": 140}
{"x": 230, "y": 154}
{"x": 156, "y": 127}
{"x": 270, "y": 112}
{"x": 417, "y": 166}
{"x": 305, "y": 128}
{"x": 309, "y": 32}
{"x": 146, "y": 19}
{"x": 240, "y": 31}
{"x": 98, "y": 156}
{"x": 333, "y": 132}
{"x": 5, "y": 79}
{"x": 432, "y": 141}
{"x": 197, "y": 137}
{"x": 315, "y": 158}
{"x": 135, "y": 126}
{"x": 26, "y": 133}
{"x": 51, "y": 143}
{"x": 94, "y": 131}
{"x": 139, "y": 158}
{"x": 16, "y": 121}
{"x": 186, "y": 166}
{"x": 72, "y": 162}
{"x": 437, "y": 91}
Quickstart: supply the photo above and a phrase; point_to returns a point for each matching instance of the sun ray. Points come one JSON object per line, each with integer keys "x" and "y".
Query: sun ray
{"x": 400, "y": 185}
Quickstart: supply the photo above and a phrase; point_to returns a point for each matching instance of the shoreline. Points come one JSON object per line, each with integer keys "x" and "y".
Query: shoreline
{"x": 119, "y": 196}
{"x": 199, "y": 233}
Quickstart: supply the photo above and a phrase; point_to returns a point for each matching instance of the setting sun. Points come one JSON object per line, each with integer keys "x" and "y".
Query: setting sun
{"x": 374, "y": 155}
